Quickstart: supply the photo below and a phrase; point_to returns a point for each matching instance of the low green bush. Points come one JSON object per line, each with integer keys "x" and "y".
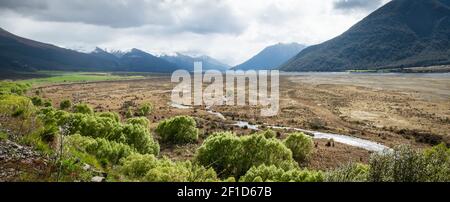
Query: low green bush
{"x": 269, "y": 133}
{"x": 178, "y": 130}
{"x": 48, "y": 133}
{"x": 129, "y": 113}
{"x": 83, "y": 109}
{"x": 102, "y": 149}
{"x": 405, "y": 164}
{"x": 136, "y": 136}
{"x": 145, "y": 109}
{"x": 142, "y": 121}
{"x": 353, "y": 172}
{"x": 8, "y": 88}
{"x": 47, "y": 103}
{"x": 438, "y": 163}
{"x": 230, "y": 155}
{"x": 301, "y": 146}
{"x": 3, "y": 136}
{"x": 112, "y": 115}
{"x": 140, "y": 138}
{"x": 37, "y": 101}
{"x": 272, "y": 173}
{"x": 148, "y": 168}
{"x": 65, "y": 104}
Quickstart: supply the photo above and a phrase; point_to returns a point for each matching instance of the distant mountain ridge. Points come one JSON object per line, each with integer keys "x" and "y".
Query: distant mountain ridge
{"x": 187, "y": 62}
{"x": 19, "y": 54}
{"x": 402, "y": 33}
{"x": 271, "y": 57}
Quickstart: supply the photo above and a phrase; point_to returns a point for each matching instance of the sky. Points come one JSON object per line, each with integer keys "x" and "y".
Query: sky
{"x": 229, "y": 30}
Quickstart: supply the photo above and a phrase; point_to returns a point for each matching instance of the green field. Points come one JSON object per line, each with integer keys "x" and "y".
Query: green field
{"x": 75, "y": 77}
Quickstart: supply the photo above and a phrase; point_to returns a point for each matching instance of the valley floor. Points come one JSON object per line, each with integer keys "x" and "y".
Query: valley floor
{"x": 391, "y": 109}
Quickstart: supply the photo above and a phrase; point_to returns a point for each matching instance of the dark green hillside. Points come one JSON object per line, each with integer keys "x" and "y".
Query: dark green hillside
{"x": 403, "y": 33}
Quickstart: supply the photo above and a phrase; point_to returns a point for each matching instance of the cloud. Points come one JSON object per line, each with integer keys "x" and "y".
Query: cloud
{"x": 198, "y": 16}
{"x": 229, "y": 30}
{"x": 357, "y": 4}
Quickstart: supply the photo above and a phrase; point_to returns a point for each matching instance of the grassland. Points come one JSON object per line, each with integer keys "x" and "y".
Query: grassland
{"x": 57, "y": 77}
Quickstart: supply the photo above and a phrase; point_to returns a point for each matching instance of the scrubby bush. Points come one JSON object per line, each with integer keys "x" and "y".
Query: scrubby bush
{"x": 18, "y": 114}
{"x": 437, "y": 161}
{"x": 101, "y": 148}
{"x": 65, "y": 104}
{"x": 37, "y": 101}
{"x": 142, "y": 121}
{"x": 47, "y": 103}
{"x": 178, "y": 130}
{"x": 272, "y": 173}
{"x": 145, "y": 109}
{"x": 136, "y": 136}
{"x": 140, "y": 138}
{"x": 48, "y": 133}
{"x": 403, "y": 164}
{"x": 3, "y": 136}
{"x": 300, "y": 144}
{"x": 353, "y": 172}
{"x": 149, "y": 168}
{"x": 230, "y": 155}
{"x": 269, "y": 133}
{"x": 8, "y": 88}
{"x": 16, "y": 106}
{"x": 129, "y": 113}
{"x": 112, "y": 115}
{"x": 83, "y": 109}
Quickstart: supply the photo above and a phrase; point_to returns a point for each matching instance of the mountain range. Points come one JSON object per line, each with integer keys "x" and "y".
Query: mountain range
{"x": 19, "y": 54}
{"x": 187, "y": 62}
{"x": 271, "y": 57}
{"x": 402, "y": 33}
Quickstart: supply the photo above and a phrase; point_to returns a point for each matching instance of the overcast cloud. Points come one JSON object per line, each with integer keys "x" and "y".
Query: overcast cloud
{"x": 229, "y": 30}
{"x": 350, "y": 5}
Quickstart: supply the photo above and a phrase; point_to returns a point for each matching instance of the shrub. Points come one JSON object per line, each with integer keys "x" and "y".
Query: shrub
{"x": 438, "y": 163}
{"x": 269, "y": 133}
{"x": 142, "y": 121}
{"x": 47, "y": 103}
{"x": 230, "y": 155}
{"x": 37, "y": 101}
{"x": 101, "y": 148}
{"x": 16, "y": 106}
{"x": 3, "y": 136}
{"x": 178, "y": 130}
{"x": 272, "y": 173}
{"x": 65, "y": 104}
{"x": 48, "y": 133}
{"x": 141, "y": 139}
{"x": 129, "y": 113}
{"x": 149, "y": 168}
{"x": 83, "y": 109}
{"x": 145, "y": 109}
{"x": 136, "y": 136}
{"x": 348, "y": 173}
{"x": 403, "y": 164}
{"x": 301, "y": 146}
{"x": 7, "y": 88}
{"x": 112, "y": 115}
{"x": 136, "y": 166}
